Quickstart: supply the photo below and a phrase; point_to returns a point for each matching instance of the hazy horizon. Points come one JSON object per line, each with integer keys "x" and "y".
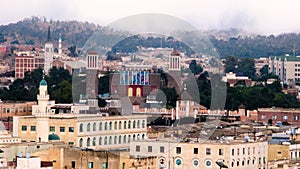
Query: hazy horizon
{"x": 252, "y": 16}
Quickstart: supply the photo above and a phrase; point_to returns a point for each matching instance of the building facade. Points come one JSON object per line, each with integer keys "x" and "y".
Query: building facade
{"x": 233, "y": 154}
{"x": 287, "y": 68}
{"x": 279, "y": 115}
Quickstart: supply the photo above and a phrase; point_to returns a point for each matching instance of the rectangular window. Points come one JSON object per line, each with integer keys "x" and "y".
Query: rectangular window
{"x": 91, "y": 165}
{"x": 71, "y": 129}
{"x": 137, "y": 148}
{"x": 178, "y": 150}
{"x": 52, "y": 128}
{"x": 221, "y": 152}
{"x": 296, "y": 118}
{"x": 274, "y": 117}
{"x": 162, "y": 149}
{"x": 208, "y": 151}
{"x": 232, "y": 152}
{"x": 24, "y": 128}
{"x": 71, "y": 143}
{"x": 285, "y": 117}
{"x": 104, "y": 165}
{"x": 73, "y": 164}
{"x": 62, "y": 129}
{"x": 149, "y": 148}
{"x": 263, "y": 116}
{"x": 195, "y": 150}
{"x": 32, "y": 128}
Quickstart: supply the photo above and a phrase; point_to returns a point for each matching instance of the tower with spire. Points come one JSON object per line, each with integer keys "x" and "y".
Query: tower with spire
{"x": 49, "y": 53}
{"x": 43, "y": 106}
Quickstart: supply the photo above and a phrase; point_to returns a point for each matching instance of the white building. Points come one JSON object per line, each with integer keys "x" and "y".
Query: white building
{"x": 286, "y": 67}
{"x": 235, "y": 154}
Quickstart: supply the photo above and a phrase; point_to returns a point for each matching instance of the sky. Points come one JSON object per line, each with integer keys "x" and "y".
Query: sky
{"x": 253, "y": 16}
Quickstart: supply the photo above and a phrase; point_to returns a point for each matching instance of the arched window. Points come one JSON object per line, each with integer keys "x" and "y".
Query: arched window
{"x": 94, "y": 141}
{"x": 94, "y": 126}
{"x": 80, "y": 142}
{"x": 125, "y": 125}
{"x": 100, "y": 140}
{"x": 129, "y": 138}
{"x": 110, "y": 125}
{"x": 138, "y": 92}
{"x": 143, "y": 124}
{"x": 130, "y": 91}
{"x": 120, "y": 139}
{"x": 105, "y": 126}
{"x": 138, "y": 124}
{"x": 105, "y": 141}
{"x": 115, "y": 140}
{"x": 129, "y": 124}
{"x": 100, "y": 126}
{"x": 143, "y": 136}
{"x": 133, "y": 138}
{"x": 110, "y": 140}
{"x": 116, "y": 125}
{"x": 81, "y": 128}
{"x": 124, "y": 139}
{"x": 133, "y": 124}
{"x": 138, "y": 136}
{"x": 88, "y": 127}
{"x": 88, "y": 142}
{"x": 120, "y": 125}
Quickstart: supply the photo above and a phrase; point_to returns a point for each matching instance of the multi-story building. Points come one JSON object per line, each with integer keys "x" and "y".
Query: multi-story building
{"x": 9, "y": 109}
{"x": 232, "y": 154}
{"x": 83, "y": 130}
{"x": 274, "y": 115}
{"x": 286, "y": 67}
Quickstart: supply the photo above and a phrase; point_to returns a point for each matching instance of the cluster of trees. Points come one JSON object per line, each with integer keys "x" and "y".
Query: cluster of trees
{"x": 258, "y": 46}
{"x": 33, "y": 31}
{"x": 130, "y": 45}
{"x": 26, "y": 89}
{"x": 240, "y": 66}
{"x": 258, "y": 96}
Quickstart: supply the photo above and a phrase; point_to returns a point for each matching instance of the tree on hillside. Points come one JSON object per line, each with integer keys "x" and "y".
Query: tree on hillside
{"x": 195, "y": 68}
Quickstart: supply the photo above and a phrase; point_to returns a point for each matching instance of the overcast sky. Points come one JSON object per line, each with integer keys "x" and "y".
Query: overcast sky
{"x": 257, "y": 16}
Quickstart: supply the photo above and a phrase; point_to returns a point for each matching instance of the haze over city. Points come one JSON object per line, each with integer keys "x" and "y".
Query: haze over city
{"x": 265, "y": 17}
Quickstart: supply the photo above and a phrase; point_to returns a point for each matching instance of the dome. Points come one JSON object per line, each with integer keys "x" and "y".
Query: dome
{"x": 43, "y": 83}
{"x": 53, "y": 137}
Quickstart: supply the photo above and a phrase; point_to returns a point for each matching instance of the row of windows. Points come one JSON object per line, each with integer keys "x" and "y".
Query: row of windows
{"x": 138, "y": 92}
{"x": 243, "y": 162}
{"x": 32, "y": 128}
{"x": 207, "y": 150}
{"x": 178, "y": 150}
{"x": 274, "y": 117}
{"x": 116, "y": 126}
{"x": 61, "y": 129}
{"x": 52, "y": 128}
{"x": 243, "y": 151}
{"x": 108, "y": 140}
{"x": 16, "y": 110}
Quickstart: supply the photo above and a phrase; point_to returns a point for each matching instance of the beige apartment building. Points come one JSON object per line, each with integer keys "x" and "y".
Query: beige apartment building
{"x": 233, "y": 154}
{"x": 82, "y": 130}
{"x": 286, "y": 67}
{"x": 96, "y": 131}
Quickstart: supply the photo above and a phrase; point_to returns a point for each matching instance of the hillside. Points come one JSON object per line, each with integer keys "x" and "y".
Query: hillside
{"x": 33, "y": 31}
{"x": 231, "y": 42}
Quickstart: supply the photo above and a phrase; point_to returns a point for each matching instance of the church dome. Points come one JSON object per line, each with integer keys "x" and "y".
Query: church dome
{"x": 43, "y": 83}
